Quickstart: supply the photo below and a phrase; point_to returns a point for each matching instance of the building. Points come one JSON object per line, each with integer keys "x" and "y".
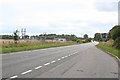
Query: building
{"x": 104, "y": 36}
{"x": 60, "y": 39}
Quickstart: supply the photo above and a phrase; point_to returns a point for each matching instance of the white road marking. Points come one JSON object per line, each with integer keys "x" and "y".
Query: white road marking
{"x": 69, "y": 55}
{"x": 26, "y": 72}
{"x": 46, "y": 64}
{"x": 41, "y": 66}
{"x": 13, "y": 77}
{"x": 66, "y": 56}
{"x": 53, "y": 61}
{"x": 59, "y": 59}
{"x": 38, "y": 67}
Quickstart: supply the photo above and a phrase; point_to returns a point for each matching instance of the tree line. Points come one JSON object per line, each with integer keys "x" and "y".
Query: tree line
{"x": 113, "y": 34}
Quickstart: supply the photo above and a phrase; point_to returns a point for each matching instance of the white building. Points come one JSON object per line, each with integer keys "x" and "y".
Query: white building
{"x": 60, "y": 39}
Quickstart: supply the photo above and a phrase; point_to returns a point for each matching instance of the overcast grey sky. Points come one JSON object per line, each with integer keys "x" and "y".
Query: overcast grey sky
{"x": 58, "y": 16}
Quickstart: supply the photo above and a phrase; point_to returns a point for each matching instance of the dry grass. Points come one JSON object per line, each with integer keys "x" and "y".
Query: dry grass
{"x": 10, "y": 46}
{"x": 108, "y": 43}
{"x": 6, "y": 42}
{"x": 108, "y": 47}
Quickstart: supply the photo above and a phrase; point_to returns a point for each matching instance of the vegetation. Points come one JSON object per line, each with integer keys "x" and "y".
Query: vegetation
{"x": 16, "y": 37}
{"x": 39, "y": 41}
{"x": 114, "y": 45}
{"x": 31, "y": 46}
{"x": 85, "y": 36}
{"x": 41, "y": 36}
{"x": 114, "y": 34}
{"x": 97, "y": 37}
{"x": 101, "y": 37}
{"x": 107, "y": 47}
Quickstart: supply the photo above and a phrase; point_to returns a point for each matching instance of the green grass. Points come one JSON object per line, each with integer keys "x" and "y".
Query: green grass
{"x": 107, "y": 48}
{"x": 17, "y": 48}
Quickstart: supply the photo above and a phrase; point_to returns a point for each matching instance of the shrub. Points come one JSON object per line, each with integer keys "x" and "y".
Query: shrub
{"x": 117, "y": 43}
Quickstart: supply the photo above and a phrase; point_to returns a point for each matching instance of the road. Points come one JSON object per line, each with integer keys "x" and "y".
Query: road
{"x": 76, "y": 61}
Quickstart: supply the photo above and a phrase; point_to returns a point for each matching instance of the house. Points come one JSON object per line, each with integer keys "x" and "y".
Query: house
{"x": 60, "y": 39}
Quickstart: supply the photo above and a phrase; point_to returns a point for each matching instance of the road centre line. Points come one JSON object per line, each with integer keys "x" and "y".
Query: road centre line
{"x": 26, "y": 72}
{"x": 63, "y": 57}
{"x": 41, "y": 66}
{"x": 53, "y": 61}
{"x": 66, "y": 56}
{"x": 38, "y": 67}
{"x": 59, "y": 59}
{"x": 13, "y": 77}
{"x": 46, "y": 64}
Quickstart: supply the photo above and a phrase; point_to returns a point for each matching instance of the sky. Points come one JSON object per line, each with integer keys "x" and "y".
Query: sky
{"x": 77, "y": 17}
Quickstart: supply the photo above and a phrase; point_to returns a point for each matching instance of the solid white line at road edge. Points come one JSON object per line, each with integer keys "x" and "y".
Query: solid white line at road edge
{"x": 26, "y": 72}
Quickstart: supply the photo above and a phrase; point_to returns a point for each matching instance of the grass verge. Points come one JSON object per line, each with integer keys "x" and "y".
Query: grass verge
{"x": 17, "y": 48}
{"x": 108, "y": 48}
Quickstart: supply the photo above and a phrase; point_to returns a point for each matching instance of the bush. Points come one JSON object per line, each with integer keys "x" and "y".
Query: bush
{"x": 115, "y": 32}
{"x": 88, "y": 40}
{"x": 78, "y": 41}
{"x": 117, "y": 43}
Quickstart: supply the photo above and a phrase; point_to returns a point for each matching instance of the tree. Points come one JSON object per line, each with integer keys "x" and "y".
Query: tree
{"x": 16, "y": 36}
{"x": 88, "y": 40}
{"x": 117, "y": 43}
{"x": 114, "y": 33}
{"x": 85, "y": 36}
{"x": 97, "y": 37}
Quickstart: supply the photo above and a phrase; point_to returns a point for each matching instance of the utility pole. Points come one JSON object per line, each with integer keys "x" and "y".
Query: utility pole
{"x": 23, "y": 32}
{"x": 45, "y": 35}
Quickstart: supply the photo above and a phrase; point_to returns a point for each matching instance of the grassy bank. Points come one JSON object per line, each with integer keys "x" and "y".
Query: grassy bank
{"x": 32, "y": 46}
{"x": 107, "y": 47}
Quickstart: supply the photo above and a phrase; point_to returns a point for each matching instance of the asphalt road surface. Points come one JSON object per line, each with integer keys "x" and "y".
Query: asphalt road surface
{"x": 76, "y": 61}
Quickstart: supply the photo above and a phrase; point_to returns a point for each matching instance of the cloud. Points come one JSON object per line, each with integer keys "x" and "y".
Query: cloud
{"x": 107, "y": 6}
{"x": 58, "y": 16}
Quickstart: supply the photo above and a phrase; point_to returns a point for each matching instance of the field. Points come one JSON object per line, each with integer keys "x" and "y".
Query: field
{"x": 23, "y": 45}
{"x": 107, "y": 47}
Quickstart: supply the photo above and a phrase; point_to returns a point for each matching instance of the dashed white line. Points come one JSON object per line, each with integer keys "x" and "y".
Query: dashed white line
{"x": 38, "y": 67}
{"x": 66, "y": 56}
{"x": 41, "y": 66}
{"x": 46, "y": 64}
{"x": 59, "y": 59}
{"x": 53, "y": 61}
{"x": 26, "y": 72}
{"x": 13, "y": 77}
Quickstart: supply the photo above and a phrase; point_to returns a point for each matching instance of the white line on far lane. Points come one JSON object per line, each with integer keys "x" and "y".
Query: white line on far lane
{"x": 13, "y": 77}
{"x": 38, "y": 67}
{"x": 63, "y": 57}
{"x": 46, "y": 64}
{"x": 26, "y": 72}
